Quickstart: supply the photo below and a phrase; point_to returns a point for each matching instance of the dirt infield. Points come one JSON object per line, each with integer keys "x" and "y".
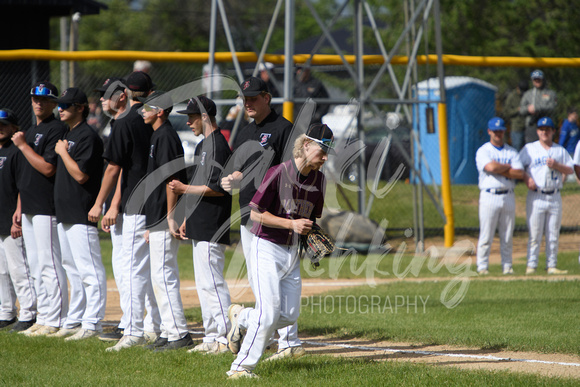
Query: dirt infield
{"x": 440, "y": 355}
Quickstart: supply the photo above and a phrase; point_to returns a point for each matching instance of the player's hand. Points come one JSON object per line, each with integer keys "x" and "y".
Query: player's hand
{"x": 110, "y": 217}
{"x": 146, "y": 236}
{"x": 302, "y": 226}
{"x": 551, "y": 163}
{"x": 177, "y": 187}
{"x": 15, "y": 231}
{"x": 95, "y": 213}
{"x": 17, "y": 219}
{"x": 232, "y": 181}
{"x": 182, "y": 231}
{"x": 61, "y": 147}
{"x": 174, "y": 228}
{"x": 531, "y": 109}
{"x": 531, "y": 184}
{"x": 18, "y": 139}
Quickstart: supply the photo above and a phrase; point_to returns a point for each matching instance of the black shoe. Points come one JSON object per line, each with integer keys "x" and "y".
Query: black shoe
{"x": 7, "y": 323}
{"x": 115, "y": 335}
{"x": 22, "y": 325}
{"x": 184, "y": 342}
{"x": 160, "y": 342}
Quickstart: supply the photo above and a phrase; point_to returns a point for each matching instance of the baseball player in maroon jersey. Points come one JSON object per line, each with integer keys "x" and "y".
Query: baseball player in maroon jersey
{"x": 290, "y": 197}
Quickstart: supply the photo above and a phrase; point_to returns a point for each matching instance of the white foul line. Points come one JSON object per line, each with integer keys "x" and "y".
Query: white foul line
{"x": 430, "y": 353}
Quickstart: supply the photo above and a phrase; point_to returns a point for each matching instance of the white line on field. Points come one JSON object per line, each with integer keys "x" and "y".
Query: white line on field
{"x": 430, "y": 353}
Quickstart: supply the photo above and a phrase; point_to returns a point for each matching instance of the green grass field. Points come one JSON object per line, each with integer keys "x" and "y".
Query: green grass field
{"x": 540, "y": 315}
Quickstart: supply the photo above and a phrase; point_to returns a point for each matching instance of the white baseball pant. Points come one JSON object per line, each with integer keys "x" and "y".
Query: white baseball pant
{"x": 496, "y": 212}
{"x": 544, "y": 213}
{"x": 276, "y": 275}
{"x": 212, "y": 289}
{"x": 165, "y": 279}
{"x": 15, "y": 281}
{"x": 288, "y": 336}
{"x": 152, "y": 322}
{"x": 43, "y": 253}
{"x": 83, "y": 243}
{"x": 77, "y": 300}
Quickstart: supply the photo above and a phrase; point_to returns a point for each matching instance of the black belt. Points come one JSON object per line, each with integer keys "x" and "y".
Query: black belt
{"x": 547, "y": 191}
{"x": 498, "y": 191}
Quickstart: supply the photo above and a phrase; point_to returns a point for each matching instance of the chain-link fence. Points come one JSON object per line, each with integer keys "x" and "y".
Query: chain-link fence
{"x": 390, "y": 198}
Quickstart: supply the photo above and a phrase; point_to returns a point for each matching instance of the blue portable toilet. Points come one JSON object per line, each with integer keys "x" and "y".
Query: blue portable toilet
{"x": 470, "y": 105}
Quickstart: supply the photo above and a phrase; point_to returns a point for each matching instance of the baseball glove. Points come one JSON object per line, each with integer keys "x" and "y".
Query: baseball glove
{"x": 316, "y": 244}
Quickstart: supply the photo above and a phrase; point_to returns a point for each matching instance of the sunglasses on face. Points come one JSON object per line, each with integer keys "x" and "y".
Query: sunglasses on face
{"x": 64, "y": 106}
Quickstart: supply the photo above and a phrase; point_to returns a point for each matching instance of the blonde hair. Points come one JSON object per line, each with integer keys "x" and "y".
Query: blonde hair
{"x": 298, "y": 150}
{"x": 135, "y": 95}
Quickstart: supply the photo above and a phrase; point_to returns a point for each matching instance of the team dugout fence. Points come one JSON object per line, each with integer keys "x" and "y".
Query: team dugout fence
{"x": 393, "y": 201}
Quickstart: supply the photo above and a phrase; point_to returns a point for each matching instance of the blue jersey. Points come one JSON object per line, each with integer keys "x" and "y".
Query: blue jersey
{"x": 569, "y": 136}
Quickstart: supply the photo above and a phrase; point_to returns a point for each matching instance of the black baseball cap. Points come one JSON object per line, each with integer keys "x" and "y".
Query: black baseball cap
{"x": 115, "y": 83}
{"x": 193, "y": 106}
{"x": 73, "y": 95}
{"x": 8, "y": 117}
{"x": 139, "y": 81}
{"x": 44, "y": 89}
{"x": 254, "y": 86}
{"x": 323, "y": 136}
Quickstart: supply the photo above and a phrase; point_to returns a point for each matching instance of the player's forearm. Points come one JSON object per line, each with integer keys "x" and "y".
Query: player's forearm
{"x": 171, "y": 201}
{"x": 110, "y": 178}
{"x": 563, "y": 168}
{"x": 201, "y": 190}
{"x": 37, "y": 161}
{"x": 73, "y": 169}
{"x": 268, "y": 219}
{"x": 517, "y": 174}
{"x": 495, "y": 167}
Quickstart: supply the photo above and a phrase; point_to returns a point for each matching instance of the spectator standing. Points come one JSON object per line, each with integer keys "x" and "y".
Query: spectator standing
{"x": 537, "y": 102}
{"x": 498, "y": 165}
{"x": 569, "y": 131}
{"x": 307, "y": 86}
{"x": 512, "y": 113}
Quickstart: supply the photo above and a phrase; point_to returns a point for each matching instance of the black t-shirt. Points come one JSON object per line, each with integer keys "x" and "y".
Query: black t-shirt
{"x": 128, "y": 147}
{"x": 37, "y": 190}
{"x": 210, "y": 219}
{"x": 165, "y": 147}
{"x": 72, "y": 200}
{"x": 257, "y": 148}
{"x": 8, "y": 191}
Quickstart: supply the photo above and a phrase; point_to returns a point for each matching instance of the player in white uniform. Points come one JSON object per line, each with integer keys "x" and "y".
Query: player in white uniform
{"x": 577, "y": 166}
{"x": 546, "y": 165}
{"x": 498, "y": 165}
{"x": 287, "y": 202}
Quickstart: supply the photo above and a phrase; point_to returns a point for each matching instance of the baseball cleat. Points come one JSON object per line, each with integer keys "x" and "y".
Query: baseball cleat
{"x": 184, "y": 342}
{"x": 508, "y": 271}
{"x": 7, "y": 323}
{"x": 290, "y": 352}
{"x": 483, "y": 272}
{"x": 213, "y": 348}
{"x": 21, "y": 326}
{"x": 115, "y": 335}
{"x": 160, "y": 342}
{"x": 235, "y": 334}
{"x": 553, "y": 270}
{"x": 64, "y": 332}
{"x": 126, "y": 342}
{"x": 44, "y": 331}
{"x": 241, "y": 374}
{"x": 530, "y": 270}
{"x": 83, "y": 334}
{"x": 31, "y": 330}
{"x": 150, "y": 337}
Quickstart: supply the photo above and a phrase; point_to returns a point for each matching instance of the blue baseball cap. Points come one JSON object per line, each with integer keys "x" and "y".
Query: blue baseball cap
{"x": 537, "y": 74}
{"x": 496, "y": 123}
{"x": 545, "y": 121}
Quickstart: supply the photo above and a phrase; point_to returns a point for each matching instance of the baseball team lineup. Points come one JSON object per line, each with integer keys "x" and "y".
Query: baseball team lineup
{"x": 61, "y": 180}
